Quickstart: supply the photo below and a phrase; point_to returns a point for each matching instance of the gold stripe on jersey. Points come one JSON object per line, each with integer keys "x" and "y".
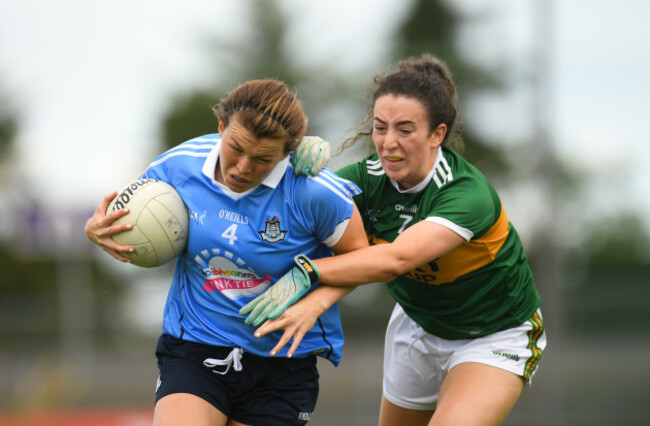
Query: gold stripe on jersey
{"x": 468, "y": 257}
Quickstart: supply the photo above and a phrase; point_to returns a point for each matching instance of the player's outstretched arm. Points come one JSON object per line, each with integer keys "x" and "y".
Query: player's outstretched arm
{"x": 99, "y": 229}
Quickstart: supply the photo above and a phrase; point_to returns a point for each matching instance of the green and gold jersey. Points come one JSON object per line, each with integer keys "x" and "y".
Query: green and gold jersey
{"x": 483, "y": 286}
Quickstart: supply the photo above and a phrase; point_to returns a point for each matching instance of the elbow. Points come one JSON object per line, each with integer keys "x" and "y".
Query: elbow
{"x": 393, "y": 269}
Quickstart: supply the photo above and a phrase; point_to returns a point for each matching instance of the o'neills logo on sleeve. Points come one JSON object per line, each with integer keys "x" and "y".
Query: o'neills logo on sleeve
{"x": 229, "y": 275}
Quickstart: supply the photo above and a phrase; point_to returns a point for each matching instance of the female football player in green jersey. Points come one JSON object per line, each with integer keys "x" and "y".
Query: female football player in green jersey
{"x": 466, "y": 333}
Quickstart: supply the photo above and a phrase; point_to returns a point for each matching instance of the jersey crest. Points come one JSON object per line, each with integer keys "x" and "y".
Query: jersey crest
{"x": 272, "y": 231}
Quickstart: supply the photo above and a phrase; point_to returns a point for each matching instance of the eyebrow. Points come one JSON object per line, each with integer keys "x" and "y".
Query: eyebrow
{"x": 399, "y": 123}
{"x": 262, "y": 155}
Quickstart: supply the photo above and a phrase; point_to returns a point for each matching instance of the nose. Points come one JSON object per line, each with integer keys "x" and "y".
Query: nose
{"x": 390, "y": 140}
{"x": 244, "y": 165}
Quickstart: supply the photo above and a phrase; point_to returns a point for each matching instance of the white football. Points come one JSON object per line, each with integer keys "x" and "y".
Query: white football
{"x": 160, "y": 222}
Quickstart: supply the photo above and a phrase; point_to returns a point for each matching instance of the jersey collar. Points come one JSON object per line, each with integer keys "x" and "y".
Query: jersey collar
{"x": 422, "y": 185}
{"x": 271, "y": 180}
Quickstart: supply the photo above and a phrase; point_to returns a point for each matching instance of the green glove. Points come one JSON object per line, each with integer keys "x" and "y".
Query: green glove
{"x": 286, "y": 291}
{"x": 311, "y": 156}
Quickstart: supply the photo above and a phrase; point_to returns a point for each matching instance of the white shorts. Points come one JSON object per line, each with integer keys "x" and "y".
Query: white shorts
{"x": 416, "y": 362}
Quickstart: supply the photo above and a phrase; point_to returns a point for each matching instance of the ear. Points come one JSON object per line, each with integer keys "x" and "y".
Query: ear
{"x": 221, "y": 127}
{"x": 438, "y": 135}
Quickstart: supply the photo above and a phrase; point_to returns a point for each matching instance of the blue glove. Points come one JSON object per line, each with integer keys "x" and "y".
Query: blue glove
{"x": 286, "y": 291}
{"x": 311, "y": 156}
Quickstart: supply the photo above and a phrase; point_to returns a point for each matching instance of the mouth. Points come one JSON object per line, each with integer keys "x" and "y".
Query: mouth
{"x": 238, "y": 181}
{"x": 392, "y": 161}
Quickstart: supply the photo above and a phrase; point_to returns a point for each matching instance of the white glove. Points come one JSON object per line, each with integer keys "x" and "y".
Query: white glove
{"x": 285, "y": 292}
{"x": 311, "y": 156}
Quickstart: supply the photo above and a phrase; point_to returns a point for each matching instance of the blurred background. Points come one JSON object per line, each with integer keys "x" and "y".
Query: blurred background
{"x": 553, "y": 100}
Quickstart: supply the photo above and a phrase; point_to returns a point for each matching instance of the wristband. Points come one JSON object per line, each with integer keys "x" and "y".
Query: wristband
{"x": 309, "y": 268}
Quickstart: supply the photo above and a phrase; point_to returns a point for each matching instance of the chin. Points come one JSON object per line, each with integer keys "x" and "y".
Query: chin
{"x": 238, "y": 188}
{"x": 395, "y": 174}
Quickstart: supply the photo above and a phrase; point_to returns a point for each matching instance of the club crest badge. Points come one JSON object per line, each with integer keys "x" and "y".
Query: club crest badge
{"x": 272, "y": 232}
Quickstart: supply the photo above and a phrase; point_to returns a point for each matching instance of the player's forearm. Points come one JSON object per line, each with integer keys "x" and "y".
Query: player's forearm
{"x": 416, "y": 246}
{"x": 372, "y": 264}
{"x": 324, "y": 296}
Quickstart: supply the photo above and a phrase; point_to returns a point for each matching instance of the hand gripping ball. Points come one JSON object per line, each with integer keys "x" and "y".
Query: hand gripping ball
{"x": 160, "y": 222}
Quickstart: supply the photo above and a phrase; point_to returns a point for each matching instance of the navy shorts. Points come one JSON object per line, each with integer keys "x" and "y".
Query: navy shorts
{"x": 266, "y": 391}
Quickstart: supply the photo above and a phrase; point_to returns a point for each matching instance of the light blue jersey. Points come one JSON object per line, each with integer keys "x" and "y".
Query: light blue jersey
{"x": 240, "y": 241}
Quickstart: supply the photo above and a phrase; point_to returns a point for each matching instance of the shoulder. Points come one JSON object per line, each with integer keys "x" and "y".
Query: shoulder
{"x": 460, "y": 190}
{"x": 458, "y": 166}
{"x": 453, "y": 172}
{"x": 199, "y": 147}
{"x": 370, "y": 166}
{"x": 327, "y": 186}
{"x": 179, "y": 163}
{"x": 368, "y": 174}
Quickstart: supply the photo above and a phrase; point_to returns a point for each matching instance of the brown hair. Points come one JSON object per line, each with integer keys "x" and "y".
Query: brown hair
{"x": 425, "y": 79}
{"x": 268, "y": 109}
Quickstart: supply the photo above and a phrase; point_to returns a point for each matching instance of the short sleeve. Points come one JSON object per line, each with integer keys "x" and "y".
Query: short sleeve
{"x": 468, "y": 203}
{"x": 325, "y": 202}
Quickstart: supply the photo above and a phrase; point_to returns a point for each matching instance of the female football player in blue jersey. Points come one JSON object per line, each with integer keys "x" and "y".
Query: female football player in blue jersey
{"x": 466, "y": 333}
{"x": 250, "y": 217}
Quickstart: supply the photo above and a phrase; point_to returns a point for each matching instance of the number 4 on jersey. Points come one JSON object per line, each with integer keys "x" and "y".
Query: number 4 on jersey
{"x": 230, "y": 234}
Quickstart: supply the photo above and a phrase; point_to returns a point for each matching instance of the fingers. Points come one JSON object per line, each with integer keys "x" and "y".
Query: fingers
{"x": 260, "y": 310}
{"x": 100, "y": 224}
{"x": 116, "y": 254}
{"x": 279, "y": 310}
{"x": 286, "y": 336}
{"x": 317, "y": 163}
{"x": 106, "y": 201}
{"x": 297, "y": 160}
{"x": 303, "y": 167}
{"x": 323, "y": 161}
{"x": 100, "y": 229}
{"x": 321, "y": 157}
{"x": 250, "y": 305}
{"x": 297, "y": 338}
{"x": 311, "y": 156}
{"x": 263, "y": 316}
{"x": 108, "y": 219}
{"x": 290, "y": 296}
{"x": 298, "y": 164}
{"x": 290, "y": 332}
{"x": 270, "y": 327}
{"x": 267, "y": 327}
